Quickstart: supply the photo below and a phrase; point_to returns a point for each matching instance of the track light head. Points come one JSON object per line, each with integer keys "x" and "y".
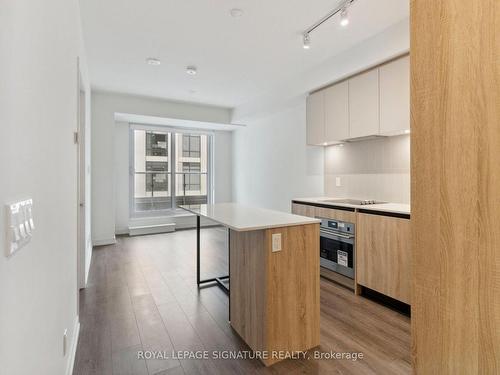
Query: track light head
{"x": 344, "y": 18}
{"x": 306, "y": 41}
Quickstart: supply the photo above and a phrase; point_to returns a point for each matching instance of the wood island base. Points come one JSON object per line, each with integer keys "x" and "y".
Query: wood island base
{"x": 274, "y": 295}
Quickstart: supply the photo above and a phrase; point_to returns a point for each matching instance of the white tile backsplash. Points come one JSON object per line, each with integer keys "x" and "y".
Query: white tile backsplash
{"x": 374, "y": 169}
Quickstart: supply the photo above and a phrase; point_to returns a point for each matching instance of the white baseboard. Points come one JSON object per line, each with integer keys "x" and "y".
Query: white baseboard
{"x": 203, "y": 225}
{"x": 151, "y": 229}
{"x": 88, "y": 260}
{"x": 72, "y": 349}
{"x": 106, "y": 241}
{"x": 121, "y": 231}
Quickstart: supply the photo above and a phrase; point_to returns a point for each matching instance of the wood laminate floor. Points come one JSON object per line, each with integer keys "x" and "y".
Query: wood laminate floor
{"x": 142, "y": 296}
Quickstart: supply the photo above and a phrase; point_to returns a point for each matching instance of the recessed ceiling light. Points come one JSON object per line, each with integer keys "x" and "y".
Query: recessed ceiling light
{"x": 236, "y": 12}
{"x": 191, "y": 70}
{"x": 153, "y": 61}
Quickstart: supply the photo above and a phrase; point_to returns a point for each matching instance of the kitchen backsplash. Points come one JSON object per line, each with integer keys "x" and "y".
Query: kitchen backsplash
{"x": 372, "y": 169}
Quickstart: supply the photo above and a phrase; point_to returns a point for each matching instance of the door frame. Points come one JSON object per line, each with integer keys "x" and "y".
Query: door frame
{"x": 81, "y": 179}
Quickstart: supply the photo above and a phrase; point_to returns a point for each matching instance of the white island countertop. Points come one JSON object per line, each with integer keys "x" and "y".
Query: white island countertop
{"x": 244, "y": 218}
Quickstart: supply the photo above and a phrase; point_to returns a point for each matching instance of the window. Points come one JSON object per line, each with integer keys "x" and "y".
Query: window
{"x": 168, "y": 169}
{"x": 191, "y": 146}
{"x": 156, "y": 144}
{"x": 191, "y": 169}
{"x": 192, "y": 182}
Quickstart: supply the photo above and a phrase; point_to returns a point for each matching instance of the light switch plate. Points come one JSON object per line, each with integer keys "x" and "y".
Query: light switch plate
{"x": 338, "y": 182}
{"x": 276, "y": 238}
{"x": 19, "y": 225}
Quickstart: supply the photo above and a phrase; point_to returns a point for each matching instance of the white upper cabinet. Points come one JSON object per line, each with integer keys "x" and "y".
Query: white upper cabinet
{"x": 337, "y": 112}
{"x": 364, "y": 104}
{"x": 395, "y": 96}
{"x": 376, "y": 102}
{"x": 315, "y": 118}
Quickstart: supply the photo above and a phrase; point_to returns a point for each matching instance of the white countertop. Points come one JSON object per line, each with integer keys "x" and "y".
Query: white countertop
{"x": 244, "y": 218}
{"x": 397, "y": 208}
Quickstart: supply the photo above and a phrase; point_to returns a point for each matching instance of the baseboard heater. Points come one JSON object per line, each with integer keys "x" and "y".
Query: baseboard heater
{"x": 151, "y": 229}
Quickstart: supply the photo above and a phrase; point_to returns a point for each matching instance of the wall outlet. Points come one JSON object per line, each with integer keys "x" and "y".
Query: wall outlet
{"x": 276, "y": 242}
{"x": 65, "y": 341}
{"x": 338, "y": 182}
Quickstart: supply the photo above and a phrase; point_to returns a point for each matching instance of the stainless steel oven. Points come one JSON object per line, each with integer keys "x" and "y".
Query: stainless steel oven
{"x": 337, "y": 246}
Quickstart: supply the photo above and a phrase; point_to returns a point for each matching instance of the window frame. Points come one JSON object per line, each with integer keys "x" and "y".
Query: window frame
{"x": 174, "y": 210}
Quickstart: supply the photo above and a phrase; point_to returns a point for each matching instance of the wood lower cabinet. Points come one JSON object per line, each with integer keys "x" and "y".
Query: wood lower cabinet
{"x": 383, "y": 255}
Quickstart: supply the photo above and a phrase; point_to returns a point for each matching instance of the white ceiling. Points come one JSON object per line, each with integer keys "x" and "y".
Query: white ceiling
{"x": 238, "y": 59}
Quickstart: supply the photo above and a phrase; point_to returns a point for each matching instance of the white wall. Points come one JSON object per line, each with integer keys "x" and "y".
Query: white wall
{"x": 373, "y": 169}
{"x": 107, "y": 194}
{"x": 121, "y": 182}
{"x": 40, "y": 43}
{"x": 222, "y": 177}
{"x": 223, "y": 166}
{"x": 393, "y": 41}
{"x": 272, "y": 164}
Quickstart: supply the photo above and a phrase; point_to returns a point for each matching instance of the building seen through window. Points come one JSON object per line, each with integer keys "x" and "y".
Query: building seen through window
{"x": 157, "y": 186}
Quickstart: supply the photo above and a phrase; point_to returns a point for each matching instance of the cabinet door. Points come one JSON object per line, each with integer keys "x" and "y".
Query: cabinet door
{"x": 315, "y": 118}
{"x": 364, "y": 104}
{"x": 395, "y": 96}
{"x": 383, "y": 255}
{"x": 337, "y": 112}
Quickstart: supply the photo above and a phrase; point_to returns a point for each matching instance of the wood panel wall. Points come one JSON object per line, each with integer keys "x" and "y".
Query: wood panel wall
{"x": 455, "y": 173}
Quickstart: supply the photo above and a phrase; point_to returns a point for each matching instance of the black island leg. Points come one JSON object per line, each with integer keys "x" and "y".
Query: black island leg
{"x": 198, "y": 249}
{"x": 217, "y": 280}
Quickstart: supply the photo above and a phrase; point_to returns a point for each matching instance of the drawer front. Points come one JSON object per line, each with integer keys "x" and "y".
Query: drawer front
{"x": 328, "y": 213}
{"x": 303, "y": 210}
{"x": 331, "y": 213}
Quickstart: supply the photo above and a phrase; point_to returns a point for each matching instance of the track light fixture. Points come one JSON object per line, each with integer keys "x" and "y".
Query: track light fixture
{"x": 306, "y": 41}
{"x": 344, "y": 21}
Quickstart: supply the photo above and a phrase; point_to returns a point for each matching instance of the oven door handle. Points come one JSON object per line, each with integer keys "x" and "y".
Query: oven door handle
{"x": 338, "y": 235}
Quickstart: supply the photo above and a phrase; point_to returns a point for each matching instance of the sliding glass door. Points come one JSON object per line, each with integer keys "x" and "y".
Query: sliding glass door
{"x": 168, "y": 168}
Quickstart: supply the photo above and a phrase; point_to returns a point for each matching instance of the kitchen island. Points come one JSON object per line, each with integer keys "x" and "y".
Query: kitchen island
{"x": 273, "y": 277}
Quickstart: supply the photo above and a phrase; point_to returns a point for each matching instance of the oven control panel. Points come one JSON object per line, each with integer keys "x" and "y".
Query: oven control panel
{"x": 336, "y": 225}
